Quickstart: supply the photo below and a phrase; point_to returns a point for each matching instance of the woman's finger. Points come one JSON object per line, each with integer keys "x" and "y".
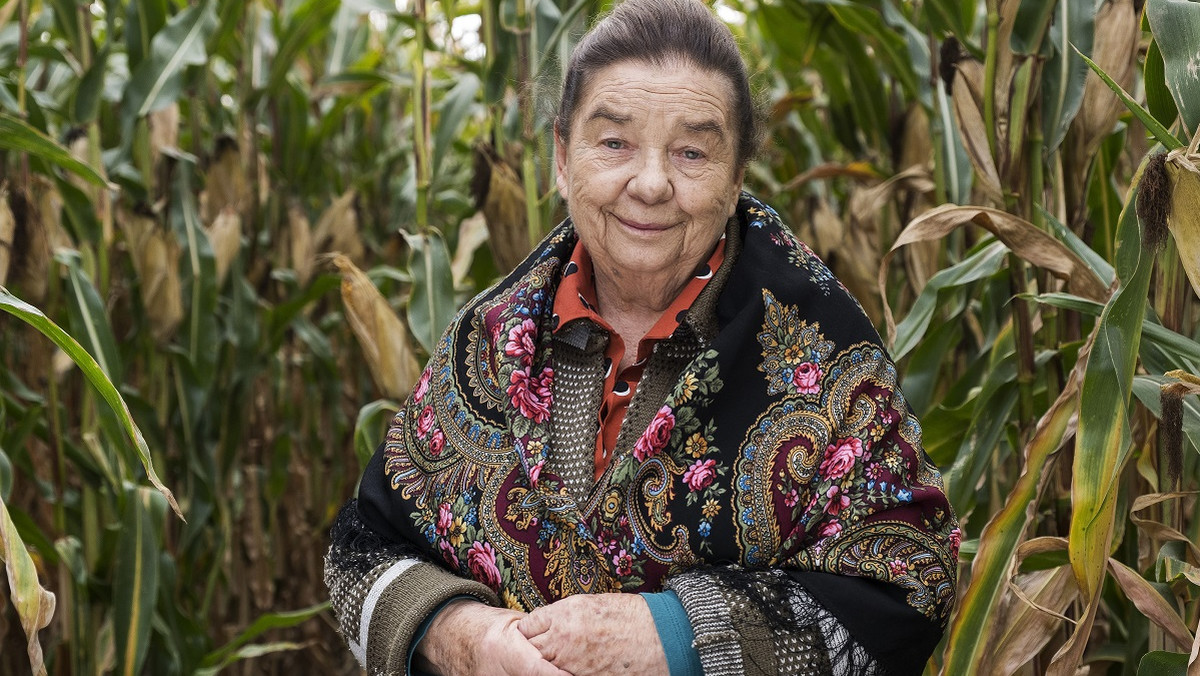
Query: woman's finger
{"x": 533, "y": 624}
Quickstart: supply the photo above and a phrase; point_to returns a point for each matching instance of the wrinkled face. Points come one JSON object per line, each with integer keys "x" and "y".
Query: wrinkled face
{"x": 650, "y": 173}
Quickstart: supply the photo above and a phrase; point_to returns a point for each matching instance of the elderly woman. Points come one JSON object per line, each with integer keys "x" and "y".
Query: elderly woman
{"x": 670, "y": 441}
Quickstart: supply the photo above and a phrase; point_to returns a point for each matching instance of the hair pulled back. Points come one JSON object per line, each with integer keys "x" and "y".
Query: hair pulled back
{"x": 659, "y": 32}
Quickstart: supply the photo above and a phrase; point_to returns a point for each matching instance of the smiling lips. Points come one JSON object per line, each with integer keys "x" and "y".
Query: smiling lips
{"x": 644, "y": 227}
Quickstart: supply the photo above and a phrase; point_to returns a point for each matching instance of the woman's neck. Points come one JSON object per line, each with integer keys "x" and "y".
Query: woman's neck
{"x": 632, "y": 307}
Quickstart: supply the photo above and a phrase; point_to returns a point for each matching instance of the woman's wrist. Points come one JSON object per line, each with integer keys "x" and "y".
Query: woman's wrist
{"x": 440, "y": 641}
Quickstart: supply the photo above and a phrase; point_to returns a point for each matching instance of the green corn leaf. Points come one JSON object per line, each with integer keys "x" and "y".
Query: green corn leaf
{"x": 1155, "y": 127}
{"x": 94, "y": 374}
{"x": 1064, "y": 75}
{"x": 88, "y": 317}
{"x": 21, "y": 137}
{"x": 431, "y": 306}
{"x": 157, "y": 81}
{"x": 370, "y": 426}
{"x": 35, "y": 605}
{"x": 306, "y": 25}
{"x": 1154, "y": 79}
{"x": 1162, "y": 663}
{"x": 143, "y": 20}
{"x": 238, "y": 648}
{"x": 135, "y": 582}
{"x": 1176, "y": 27}
{"x": 453, "y": 111}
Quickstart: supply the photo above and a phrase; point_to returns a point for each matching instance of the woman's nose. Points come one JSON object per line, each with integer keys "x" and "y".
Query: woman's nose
{"x": 651, "y": 183}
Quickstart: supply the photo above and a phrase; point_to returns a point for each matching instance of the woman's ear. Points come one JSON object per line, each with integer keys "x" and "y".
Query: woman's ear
{"x": 560, "y": 162}
{"x": 738, "y": 181}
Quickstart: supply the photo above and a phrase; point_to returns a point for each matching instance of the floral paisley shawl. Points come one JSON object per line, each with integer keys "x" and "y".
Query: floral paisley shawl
{"x": 785, "y": 444}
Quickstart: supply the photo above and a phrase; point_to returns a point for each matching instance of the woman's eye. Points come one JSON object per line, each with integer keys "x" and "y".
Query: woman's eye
{"x": 693, "y": 154}
{"x": 613, "y": 144}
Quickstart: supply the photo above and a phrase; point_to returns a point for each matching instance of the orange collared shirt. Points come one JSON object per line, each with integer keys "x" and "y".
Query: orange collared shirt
{"x": 576, "y": 299}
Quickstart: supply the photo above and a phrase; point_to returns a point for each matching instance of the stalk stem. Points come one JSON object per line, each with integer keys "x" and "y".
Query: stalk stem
{"x": 421, "y": 112}
{"x": 989, "y": 73}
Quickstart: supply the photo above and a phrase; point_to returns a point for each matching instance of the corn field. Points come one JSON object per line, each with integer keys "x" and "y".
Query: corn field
{"x": 231, "y": 231}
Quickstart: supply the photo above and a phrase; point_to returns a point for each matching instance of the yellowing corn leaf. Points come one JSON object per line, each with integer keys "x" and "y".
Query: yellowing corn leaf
{"x": 1022, "y": 237}
{"x": 1184, "y": 219}
{"x": 337, "y": 229}
{"x": 225, "y": 234}
{"x": 35, "y": 605}
{"x": 381, "y": 334}
{"x": 8, "y": 231}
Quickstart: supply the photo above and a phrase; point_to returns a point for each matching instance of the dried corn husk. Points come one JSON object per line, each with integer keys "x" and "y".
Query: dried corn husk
{"x": 472, "y": 233}
{"x": 226, "y": 184}
{"x": 164, "y": 131}
{"x": 1183, "y": 167}
{"x": 337, "y": 229}
{"x": 8, "y": 232}
{"x": 155, "y": 255}
{"x": 43, "y": 224}
{"x": 225, "y": 234}
{"x": 381, "y": 334}
{"x": 300, "y": 253}
{"x": 499, "y": 193}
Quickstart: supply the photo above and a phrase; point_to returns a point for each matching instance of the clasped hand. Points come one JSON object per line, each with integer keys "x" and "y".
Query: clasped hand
{"x": 582, "y": 635}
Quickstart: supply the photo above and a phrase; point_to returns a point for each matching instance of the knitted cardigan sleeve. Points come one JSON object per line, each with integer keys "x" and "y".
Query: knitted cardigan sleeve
{"x": 382, "y": 591}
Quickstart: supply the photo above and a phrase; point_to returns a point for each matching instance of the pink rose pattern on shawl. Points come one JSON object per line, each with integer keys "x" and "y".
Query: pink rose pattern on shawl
{"x": 522, "y": 342}
{"x": 425, "y": 422}
{"x": 531, "y": 395}
{"x": 840, "y": 458}
{"x": 437, "y": 442}
{"x": 807, "y": 378}
{"x": 700, "y": 475}
{"x": 422, "y": 387}
{"x": 481, "y": 559}
{"x": 656, "y": 436}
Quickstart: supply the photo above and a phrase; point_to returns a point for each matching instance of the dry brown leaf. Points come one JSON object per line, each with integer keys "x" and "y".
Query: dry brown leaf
{"x": 8, "y": 232}
{"x": 1184, "y": 219}
{"x": 859, "y": 171}
{"x": 472, "y": 233}
{"x": 968, "y": 111}
{"x": 43, "y": 223}
{"x": 225, "y": 235}
{"x": 1161, "y": 531}
{"x": 1115, "y": 50}
{"x": 225, "y": 181}
{"x": 164, "y": 131}
{"x": 1020, "y": 236}
{"x": 1194, "y": 659}
{"x": 1023, "y": 630}
{"x": 382, "y": 336}
{"x": 1147, "y": 599}
{"x": 499, "y": 193}
{"x": 337, "y": 229}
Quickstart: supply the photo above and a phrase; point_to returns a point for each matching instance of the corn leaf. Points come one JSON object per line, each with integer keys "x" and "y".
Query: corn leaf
{"x": 1156, "y": 128}
{"x": 135, "y": 583}
{"x": 1176, "y": 27}
{"x": 238, "y": 648}
{"x": 19, "y": 136}
{"x": 35, "y": 605}
{"x": 1162, "y": 663}
{"x": 157, "y": 81}
{"x": 1065, "y": 74}
{"x": 92, "y": 371}
{"x": 431, "y": 305}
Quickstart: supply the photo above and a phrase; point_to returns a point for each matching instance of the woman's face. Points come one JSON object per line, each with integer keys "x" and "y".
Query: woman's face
{"x": 650, "y": 173}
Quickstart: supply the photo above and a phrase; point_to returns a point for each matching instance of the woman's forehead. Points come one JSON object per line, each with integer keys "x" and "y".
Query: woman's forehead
{"x": 696, "y": 97}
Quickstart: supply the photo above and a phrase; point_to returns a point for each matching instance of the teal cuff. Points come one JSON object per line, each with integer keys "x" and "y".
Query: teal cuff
{"x": 424, "y": 628}
{"x": 675, "y": 632}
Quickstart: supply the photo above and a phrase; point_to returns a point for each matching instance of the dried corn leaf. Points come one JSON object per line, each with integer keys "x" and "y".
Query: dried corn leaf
{"x": 967, "y": 98}
{"x": 8, "y": 231}
{"x": 226, "y": 185}
{"x": 1022, "y": 237}
{"x": 42, "y": 228}
{"x": 1115, "y": 50}
{"x": 337, "y": 229}
{"x": 1152, "y": 604}
{"x": 1030, "y": 616}
{"x": 225, "y": 234}
{"x": 472, "y": 233}
{"x": 1184, "y": 218}
{"x": 499, "y": 193}
{"x": 381, "y": 334}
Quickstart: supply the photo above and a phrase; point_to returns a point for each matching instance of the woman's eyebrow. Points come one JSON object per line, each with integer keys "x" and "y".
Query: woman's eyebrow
{"x": 606, "y": 113}
{"x": 705, "y": 127}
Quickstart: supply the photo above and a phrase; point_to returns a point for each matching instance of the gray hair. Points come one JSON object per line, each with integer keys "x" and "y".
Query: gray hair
{"x": 657, "y": 32}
